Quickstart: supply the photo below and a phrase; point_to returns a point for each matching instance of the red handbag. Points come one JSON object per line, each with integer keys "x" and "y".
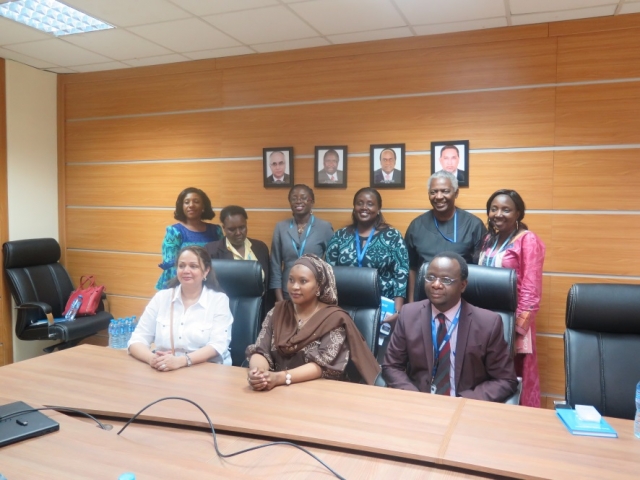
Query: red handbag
{"x": 91, "y": 295}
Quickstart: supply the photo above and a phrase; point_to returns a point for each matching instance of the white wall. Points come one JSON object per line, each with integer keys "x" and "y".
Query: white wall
{"x": 32, "y": 166}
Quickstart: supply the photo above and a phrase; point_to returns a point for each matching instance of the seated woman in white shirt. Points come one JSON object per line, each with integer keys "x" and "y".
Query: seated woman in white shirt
{"x": 190, "y": 323}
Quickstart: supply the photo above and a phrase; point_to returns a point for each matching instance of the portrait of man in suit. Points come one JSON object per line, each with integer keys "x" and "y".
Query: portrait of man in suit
{"x": 330, "y": 166}
{"x": 390, "y": 160}
{"x": 470, "y": 356}
{"x": 453, "y": 158}
{"x": 276, "y": 165}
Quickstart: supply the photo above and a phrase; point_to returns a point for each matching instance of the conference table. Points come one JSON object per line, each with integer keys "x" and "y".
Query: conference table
{"x": 359, "y": 430}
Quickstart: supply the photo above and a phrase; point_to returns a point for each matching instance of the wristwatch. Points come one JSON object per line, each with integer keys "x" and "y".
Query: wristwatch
{"x": 189, "y": 363}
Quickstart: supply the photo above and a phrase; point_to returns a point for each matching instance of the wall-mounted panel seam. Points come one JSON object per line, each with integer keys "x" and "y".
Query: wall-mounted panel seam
{"x": 363, "y": 99}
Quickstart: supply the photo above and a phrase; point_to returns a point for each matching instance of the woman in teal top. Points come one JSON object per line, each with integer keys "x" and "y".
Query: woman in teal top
{"x": 192, "y": 207}
{"x": 370, "y": 242}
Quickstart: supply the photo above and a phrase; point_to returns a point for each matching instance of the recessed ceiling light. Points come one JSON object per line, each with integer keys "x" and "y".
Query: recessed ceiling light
{"x": 51, "y": 16}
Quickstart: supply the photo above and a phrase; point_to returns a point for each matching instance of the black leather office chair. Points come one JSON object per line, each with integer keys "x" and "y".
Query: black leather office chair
{"x": 242, "y": 282}
{"x": 359, "y": 295}
{"x": 493, "y": 289}
{"x": 41, "y": 287}
{"x": 602, "y": 347}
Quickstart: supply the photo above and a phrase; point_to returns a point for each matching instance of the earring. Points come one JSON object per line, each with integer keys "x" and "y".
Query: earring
{"x": 205, "y": 278}
{"x": 318, "y": 293}
{"x": 517, "y": 225}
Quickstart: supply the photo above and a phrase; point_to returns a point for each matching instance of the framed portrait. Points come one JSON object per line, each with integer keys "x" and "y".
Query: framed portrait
{"x": 452, "y": 156}
{"x": 330, "y": 167}
{"x": 387, "y": 165}
{"x": 277, "y": 163}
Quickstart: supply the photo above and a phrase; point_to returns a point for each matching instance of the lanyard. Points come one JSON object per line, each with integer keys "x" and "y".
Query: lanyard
{"x": 455, "y": 228}
{"x": 361, "y": 251}
{"x": 304, "y": 241}
{"x": 436, "y": 348}
{"x": 490, "y": 259}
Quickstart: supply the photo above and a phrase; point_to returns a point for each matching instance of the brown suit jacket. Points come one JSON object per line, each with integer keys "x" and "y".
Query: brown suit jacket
{"x": 218, "y": 249}
{"x": 483, "y": 368}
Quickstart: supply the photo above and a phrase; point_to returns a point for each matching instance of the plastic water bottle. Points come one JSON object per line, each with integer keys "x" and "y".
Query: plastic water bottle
{"x": 73, "y": 311}
{"x": 112, "y": 333}
{"x": 636, "y": 423}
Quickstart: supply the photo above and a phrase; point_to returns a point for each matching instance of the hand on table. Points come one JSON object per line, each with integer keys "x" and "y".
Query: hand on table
{"x": 165, "y": 362}
{"x": 262, "y": 380}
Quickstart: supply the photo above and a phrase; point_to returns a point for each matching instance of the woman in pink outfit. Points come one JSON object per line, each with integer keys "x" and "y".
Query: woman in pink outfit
{"x": 510, "y": 244}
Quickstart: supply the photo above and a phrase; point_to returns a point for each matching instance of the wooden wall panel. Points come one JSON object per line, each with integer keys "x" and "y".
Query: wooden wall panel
{"x": 127, "y": 306}
{"x": 593, "y": 25}
{"x": 497, "y": 119}
{"x": 139, "y": 184}
{"x": 6, "y": 326}
{"x": 598, "y": 114}
{"x": 156, "y": 94}
{"x": 599, "y": 56}
{"x": 128, "y": 274}
{"x": 596, "y": 180}
{"x": 195, "y": 135}
{"x": 601, "y": 244}
{"x": 551, "y": 364}
{"x": 521, "y": 62}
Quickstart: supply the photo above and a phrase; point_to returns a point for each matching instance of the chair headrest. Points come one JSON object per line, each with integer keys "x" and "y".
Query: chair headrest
{"x": 357, "y": 287}
{"x": 27, "y": 253}
{"x": 239, "y": 278}
{"x": 487, "y": 287}
{"x": 604, "y": 307}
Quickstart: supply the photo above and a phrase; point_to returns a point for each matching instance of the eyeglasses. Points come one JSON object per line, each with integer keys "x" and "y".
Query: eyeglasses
{"x": 443, "y": 280}
{"x": 302, "y": 199}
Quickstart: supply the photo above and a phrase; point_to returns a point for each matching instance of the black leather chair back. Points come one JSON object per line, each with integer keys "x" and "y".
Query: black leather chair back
{"x": 35, "y": 275}
{"x": 490, "y": 288}
{"x": 359, "y": 295}
{"x": 242, "y": 283}
{"x": 602, "y": 347}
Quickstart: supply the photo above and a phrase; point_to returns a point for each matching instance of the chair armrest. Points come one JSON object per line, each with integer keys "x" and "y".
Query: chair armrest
{"x": 45, "y": 307}
{"x": 515, "y": 398}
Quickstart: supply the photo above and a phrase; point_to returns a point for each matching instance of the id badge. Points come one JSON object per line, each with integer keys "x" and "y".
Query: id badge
{"x": 433, "y": 389}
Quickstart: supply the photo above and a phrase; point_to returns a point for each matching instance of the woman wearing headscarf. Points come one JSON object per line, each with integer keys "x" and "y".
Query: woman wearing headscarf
{"x": 510, "y": 244}
{"x": 309, "y": 336}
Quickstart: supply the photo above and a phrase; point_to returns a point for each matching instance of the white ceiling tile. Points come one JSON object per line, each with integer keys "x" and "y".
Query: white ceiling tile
{"x": 186, "y": 35}
{"x": 372, "y": 35}
{"x": 460, "y": 26}
{"x": 60, "y": 70}
{"x": 97, "y": 67}
{"x": 262, "y": 25}
{"x": 565, "y": 15}
{"x": 354, "y": 15}
{"x": 290, "y": 45}
{"x": 219, "y": 53}
{"x": 421, "y": 12}
{"x": 208, "y": 7}
{"x": 58, "y": 53}
{"x": 14, "y": 32}
{"x": 125, "y": 13}
{"x": 116, "y": 44}
{"x": 143, "y": 62}
{"x": 630, "y": 8}
{"x": 20, "y": 58}
{"x": 519, "y": 7}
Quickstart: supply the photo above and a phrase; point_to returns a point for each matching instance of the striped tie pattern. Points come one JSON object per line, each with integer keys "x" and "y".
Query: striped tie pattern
{"x": 442, "y": 380}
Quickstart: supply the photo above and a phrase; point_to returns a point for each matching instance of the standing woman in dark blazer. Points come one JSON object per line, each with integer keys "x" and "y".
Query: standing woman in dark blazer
{"x": 235, "y": 245}
{"x": 304, "y": 233}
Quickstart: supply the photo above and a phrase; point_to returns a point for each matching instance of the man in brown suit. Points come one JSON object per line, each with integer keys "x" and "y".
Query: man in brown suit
{"x": 472, "y": 358}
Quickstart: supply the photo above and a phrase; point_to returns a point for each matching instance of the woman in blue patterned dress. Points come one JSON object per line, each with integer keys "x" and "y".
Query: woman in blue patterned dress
{"x": 192, "y": 207}
{"x": 370, "y": 242}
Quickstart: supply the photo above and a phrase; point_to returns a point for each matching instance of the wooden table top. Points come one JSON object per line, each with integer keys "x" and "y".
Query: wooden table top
{"x": 480, "y": 436}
